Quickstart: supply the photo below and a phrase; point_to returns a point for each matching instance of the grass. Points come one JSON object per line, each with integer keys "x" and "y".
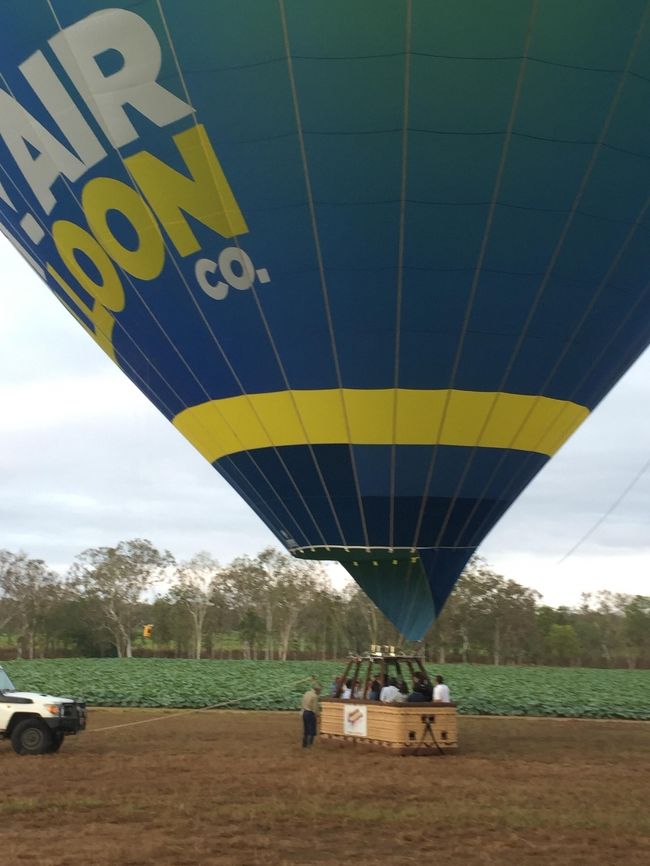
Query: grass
{"x": 56, "y": 803}
{"x": 477, "y": 689}
{"x": 231, "y": 788}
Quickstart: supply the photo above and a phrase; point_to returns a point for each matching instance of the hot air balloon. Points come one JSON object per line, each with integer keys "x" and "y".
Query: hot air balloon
{"x": 375, "y": 259}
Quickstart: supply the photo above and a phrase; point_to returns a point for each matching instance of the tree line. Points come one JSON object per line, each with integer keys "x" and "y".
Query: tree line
{"x": 272, "y": 606}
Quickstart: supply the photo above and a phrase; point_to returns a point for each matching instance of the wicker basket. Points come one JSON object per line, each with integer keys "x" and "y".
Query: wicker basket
{"x": 410, "y": 728}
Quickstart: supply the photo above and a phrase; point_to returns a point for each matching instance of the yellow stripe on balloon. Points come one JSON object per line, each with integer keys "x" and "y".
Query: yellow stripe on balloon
{"x": 379, "y": 417}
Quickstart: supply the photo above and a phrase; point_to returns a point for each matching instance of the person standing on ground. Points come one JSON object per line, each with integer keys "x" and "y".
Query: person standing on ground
{"x": 310, "y": 713}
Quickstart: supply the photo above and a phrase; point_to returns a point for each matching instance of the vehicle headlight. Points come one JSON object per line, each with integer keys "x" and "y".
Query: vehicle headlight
{"x": 53, "y": 709}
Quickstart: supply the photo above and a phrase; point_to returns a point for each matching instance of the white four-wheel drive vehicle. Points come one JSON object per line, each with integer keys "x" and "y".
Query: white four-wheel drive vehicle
{"x": 35, "y": 723}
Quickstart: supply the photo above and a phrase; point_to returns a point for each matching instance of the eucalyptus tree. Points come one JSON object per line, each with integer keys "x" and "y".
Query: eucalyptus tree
{"x": 117, "y": 578}
{"x": 277, "y": 588}
{"x": 251, "y": 630}
{"x": 194, "y": 587}
{"x": 563, "y": 644}
{"x": 244, "y": 588}
{"x": 28, "y": 588}
{"x": 6, "y": 607}
{"x": 291, "y": 587}
{"x": 637, "y": 629}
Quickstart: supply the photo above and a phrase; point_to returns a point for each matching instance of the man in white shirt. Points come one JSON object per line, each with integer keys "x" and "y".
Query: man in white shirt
{"x": 441, "y": 691}
{"x": 389, "y": 693}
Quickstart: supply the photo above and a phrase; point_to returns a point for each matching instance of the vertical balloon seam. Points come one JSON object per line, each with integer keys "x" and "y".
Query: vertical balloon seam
{"x": 118, "y": 322}
{"x": 408, "y": 25}
{"x": 172, "y": 258}
{"x": 486, "y": 239}
{"x": 594, "y": 363}
{"x": 154, "y": 318}
{"x": 265, "y": 325}
{"x": 122, "y": 361}
{"x": 31, "y": 256}
{"x": 570, "y": 216}
{"x": 560, "y": 242}
{"x": 483, "y": 248}
{"x": 45, "y": 267}
{"x": 570, "y": 340}
{"x": 317, "y": 247}
{"x": 261, "y": 313}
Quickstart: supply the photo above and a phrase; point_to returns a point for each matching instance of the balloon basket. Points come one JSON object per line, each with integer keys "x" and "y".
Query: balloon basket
{"x": 418, "y": 728}
{"x": 407, "y": 729}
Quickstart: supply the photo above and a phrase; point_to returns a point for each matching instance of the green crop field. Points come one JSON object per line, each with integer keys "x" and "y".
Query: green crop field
{"x": 477, "y": 689}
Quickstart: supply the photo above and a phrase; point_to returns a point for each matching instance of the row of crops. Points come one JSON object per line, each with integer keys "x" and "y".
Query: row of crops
{"x": 477, "y": 689}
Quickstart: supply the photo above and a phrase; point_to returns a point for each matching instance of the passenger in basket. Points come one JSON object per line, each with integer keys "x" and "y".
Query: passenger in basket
{"x": 390, "y": 693}
{"x": 402, "y": 697}
{"x": 346, "y": 694}
{"x": 441, "y": 691}
{"x": 422, "y": 688}
{"x": 374, "y": 689}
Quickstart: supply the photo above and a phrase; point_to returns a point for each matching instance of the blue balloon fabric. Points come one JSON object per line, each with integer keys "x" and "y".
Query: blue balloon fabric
{"x": 375, "y": 259}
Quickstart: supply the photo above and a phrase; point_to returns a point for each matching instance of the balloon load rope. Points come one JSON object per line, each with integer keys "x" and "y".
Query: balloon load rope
{"x": 189, "y": 711}
{"x": 427, "y": 722}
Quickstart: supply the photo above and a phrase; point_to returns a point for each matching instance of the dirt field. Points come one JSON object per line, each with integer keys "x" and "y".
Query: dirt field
{"x": 237, "y": 789}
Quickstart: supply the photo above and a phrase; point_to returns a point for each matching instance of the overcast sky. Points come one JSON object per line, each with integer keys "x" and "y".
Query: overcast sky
{"x": 86, "y": 461}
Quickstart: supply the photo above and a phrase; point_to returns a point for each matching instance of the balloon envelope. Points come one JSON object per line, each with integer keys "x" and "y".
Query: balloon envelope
{"x": 376, "y": 260}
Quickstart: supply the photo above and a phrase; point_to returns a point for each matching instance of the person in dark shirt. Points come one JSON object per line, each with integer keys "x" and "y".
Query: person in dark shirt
{"x": 422, "y": 688}
{"x": 374, "y": 688}
{"x": 336, "y": 686}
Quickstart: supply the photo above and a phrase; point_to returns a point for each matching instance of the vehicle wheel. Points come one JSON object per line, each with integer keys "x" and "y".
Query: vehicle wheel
{"x": 57, "y": 740}
{"x": 31, "y": 737}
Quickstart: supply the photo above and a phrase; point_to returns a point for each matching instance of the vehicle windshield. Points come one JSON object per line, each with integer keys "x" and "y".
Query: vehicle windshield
{"x": 5, "y": 683}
